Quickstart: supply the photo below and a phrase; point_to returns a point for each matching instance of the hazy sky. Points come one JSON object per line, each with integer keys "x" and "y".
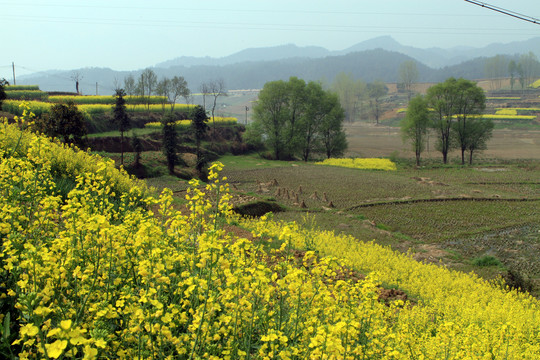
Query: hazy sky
{"x": 133, "y": 34}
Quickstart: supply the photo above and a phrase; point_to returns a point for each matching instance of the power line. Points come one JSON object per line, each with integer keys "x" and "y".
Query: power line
{"x": 228, "y": 10}
{"x": 237, "y": 25}
{"x": 506, "y": 12}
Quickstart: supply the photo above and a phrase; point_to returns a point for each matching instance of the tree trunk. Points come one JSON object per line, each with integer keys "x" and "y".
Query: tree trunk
{"x": 470, "y": 157}
{"x": 462, "y": 156}
{"x": 121, "y": 147}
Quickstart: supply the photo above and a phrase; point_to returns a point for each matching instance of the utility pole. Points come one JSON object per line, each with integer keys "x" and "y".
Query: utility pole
{"x": 13, "y": 65}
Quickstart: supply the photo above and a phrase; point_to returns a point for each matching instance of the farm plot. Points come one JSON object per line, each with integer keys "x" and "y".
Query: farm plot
{"x": 434, "y": 213}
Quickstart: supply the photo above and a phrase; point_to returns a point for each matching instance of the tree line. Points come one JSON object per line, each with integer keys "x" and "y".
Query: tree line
{"x": 147, "y": 84}
{"x": 524, "y": 70}
{"x": 451, "y": 110}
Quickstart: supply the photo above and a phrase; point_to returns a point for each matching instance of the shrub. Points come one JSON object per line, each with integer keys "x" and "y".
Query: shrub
{"x": 486, "y": 260}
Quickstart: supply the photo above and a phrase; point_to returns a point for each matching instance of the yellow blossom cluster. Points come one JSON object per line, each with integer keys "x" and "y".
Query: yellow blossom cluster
{"x": 362, "y": 163}
{"x": 107, "y": 99}
{"x": 221, "y": 120}
{"x": 505, "y": 111}
{"x": 95, "y": 275}
{"x": 109, "y": 272}
{"x": 40, "y": 107}
{"x": 454, "y": 315}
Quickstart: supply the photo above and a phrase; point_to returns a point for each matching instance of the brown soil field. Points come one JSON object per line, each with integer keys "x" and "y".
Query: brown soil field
{"x": 369, "y": 140}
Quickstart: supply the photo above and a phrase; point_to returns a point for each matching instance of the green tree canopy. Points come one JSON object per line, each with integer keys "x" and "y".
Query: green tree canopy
{"x": 455, "y": 103}
{"x": 296, "y": 118}
{"x": 480, "y": 131}
{"x": 170, "y": 141}
{"x": 65, "y": 121}
{"x": 415, "y": 125}
{"x": 121, "y": 118}
{"x": 470, "y": 102}
{"x": 199, "y": 120}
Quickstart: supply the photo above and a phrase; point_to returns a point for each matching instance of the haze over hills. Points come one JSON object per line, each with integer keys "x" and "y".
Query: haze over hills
{"x": 432, "y": 57}
{"x": 375, "y": 59}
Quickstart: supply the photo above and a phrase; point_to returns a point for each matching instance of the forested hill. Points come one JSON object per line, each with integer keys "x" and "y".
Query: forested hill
{"x": 368, "y": 65}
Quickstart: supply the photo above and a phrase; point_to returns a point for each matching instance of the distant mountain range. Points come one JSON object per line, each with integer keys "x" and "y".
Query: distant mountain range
{"x": 375, "y": 59}
{"x": 432, "y": 57}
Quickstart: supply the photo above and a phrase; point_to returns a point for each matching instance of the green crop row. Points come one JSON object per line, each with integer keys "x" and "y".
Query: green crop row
{"x": 27, "y": 95}
{"x": 503, "y": 98}
{"x": 21, "y": 87}
{"x": 39, "y": 108}
{"x": 508, "y": 117}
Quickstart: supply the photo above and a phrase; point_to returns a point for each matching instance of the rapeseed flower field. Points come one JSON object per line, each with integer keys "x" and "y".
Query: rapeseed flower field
{"x": 361, "y": 163}
{"x": 105, "y": 270}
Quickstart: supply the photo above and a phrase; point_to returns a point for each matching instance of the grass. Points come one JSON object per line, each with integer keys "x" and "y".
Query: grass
{"x": 115, "y": 133}
{"x": 486, "y": 260}
{"x": 246, "y": 162}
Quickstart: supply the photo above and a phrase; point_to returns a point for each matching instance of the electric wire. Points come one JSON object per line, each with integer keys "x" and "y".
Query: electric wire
{"x": 506, "y": 12}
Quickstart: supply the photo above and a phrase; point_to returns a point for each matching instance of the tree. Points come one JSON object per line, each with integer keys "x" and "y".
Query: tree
{"x": 351, "y": 93}
{"x": 296, "y": 105}
{"x": 512, "y": 70}
{"x": 297, "y": 119}
{"x": 163, "y": 89}
{"x": 495, "y": 69}
{"x": 457, "y": 99}
{"x": 415, "y": 125}
{"x": 77, "y": 77}
{"x": 137, "y": 146}
{"x": 442, "y": 99}
{"x": 272, "y": 112}
{"x": 323, "y": 112}
{"x": 408, "y": 75}
{"x": 129, "y": 85}
{"x": 216, "y": 88}
{"x": 376, "y": 91}
{"x": 521, "y": 75}
{"x": 179, "y": 88}
{"x": 332, "y": 134}
{"x": 146, "y": 85}
{"x": 170, "y": 141}
{"x": 121, "y": 119}
{"x": 480, "y": 130}
{"x": 199, "y": 126}
{"x": 204, "y": 91}
{"x": 66, "y": 122}
{"x": 530, "y": 68}
{"x": 470, "y": 102}
{"x": 3, "y": 95}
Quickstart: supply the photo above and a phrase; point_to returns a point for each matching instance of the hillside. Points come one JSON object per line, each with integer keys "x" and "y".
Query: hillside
{"x": 96, "y": 267}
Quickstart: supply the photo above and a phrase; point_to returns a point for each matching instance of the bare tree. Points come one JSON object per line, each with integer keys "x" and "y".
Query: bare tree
{"x": 204, "y": 91}
{"x": 216, "y": 88}
{"x": 129, "y": 85}
{"x": 178, "y": 88}
{"x": 408, "y": 75}
{"x": 147, "y": 82}
{"x": 163, "y": 89}
{"x": 77, "y": 77}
